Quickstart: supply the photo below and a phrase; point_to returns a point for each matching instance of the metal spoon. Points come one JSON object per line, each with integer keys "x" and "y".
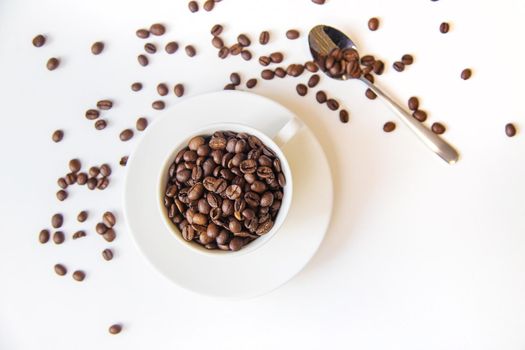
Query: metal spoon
{"x": 323, "y": 39}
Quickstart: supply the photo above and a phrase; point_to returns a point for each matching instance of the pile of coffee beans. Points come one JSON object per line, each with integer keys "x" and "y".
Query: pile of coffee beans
{"x": 224, "y": 190}
{"x": 95, "y": 178}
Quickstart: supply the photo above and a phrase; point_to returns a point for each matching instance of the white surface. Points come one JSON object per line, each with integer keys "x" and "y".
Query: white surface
{"x": 265, "y": 263}
{"x": 419, "y": 254}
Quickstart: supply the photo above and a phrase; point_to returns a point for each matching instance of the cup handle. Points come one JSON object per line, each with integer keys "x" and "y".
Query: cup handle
{"x": 288, "y": 131}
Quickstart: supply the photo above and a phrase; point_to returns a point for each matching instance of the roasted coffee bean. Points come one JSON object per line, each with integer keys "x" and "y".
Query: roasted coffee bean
{"x": 510, "y": 130}
{"x": 196, "y": 191}
{"x": 292, "y": 34}
{"x": 60, "y": 269}
{"x": 82, "y": 178}
{"x": 399, "y": 66}
{"x": 123, "y": 161}
{"x": 82, "y": 216}
{"x": 313, "y": 81}
{"x": 157, "y": 29}
{"x": 413, "y": 103}
{"x": 223, "y": 52}
{"x": 276, "y": 57}
{"x": 162, "y": 89}
{"x": 389, "y": 127}
{"x": 319, "y": 2}
{"x": 92, "y": 183}
{"x": 264, "y": 227}
{"x": 57, "y": 220}
{"x": 109, "y": 235}
{"x": 143, "y": 60}
{"x": 235, "y": 78}
{"x": 236, "y": 244}
{"x": 344, "y": 116}
{"x": 444, "y": 27}
{"x": 267, "y": 74}
{"x": 97, "y": 48}
{"x": 171, "y": 47}
{"x": 109, "y": 219}
{"x": 136, "y": 86}
{"x": 61, "y": 195}
{"x": 71, "y": 178}
{"x": 258, "y": 187}
{"x": 74, "y": 165}
{"x": 94, "y": 171}
{"x": 243, "y": 40}
{"x": 229, "y": 86}
{"x": 438, "y": 128}
{"x": 193, "y": 6}
{"x": 104, "y": 105}
{"x": 407, "y": 59}
{"x": 280, "y": 72}
{"x": 295, "y": 70}
{"x": 217, "y": 42}
{"x": 190, "y": 50}
{"x": 320, "y": 96}
{"x": 101, "y": 228}
{"x": 246, "y": 55}
{"x": 370, "y": 94}
{"x": 79, "y": 234}
{"x": 216, "y": 30}
{"x": 420, "y": 115}
{"x": 107, "y": 254}
{"x": 264, "y": 60}
{"x": 58, "y": 237}
{"x": 466, "y": 74}
{"x": 179, "y": 90}
{"x": 200, "y": 219}
{"x": 208, "y": 5}
{"x": 267, "y": 199}
{"x": 150, "y": 48}
{"x": 61, "y": 182}
{"x": 196, "y": 142}
{"x": 39, "y": 40}
{"x": 57, "y": 136}
{"x": 158, "y": 105}
{"x": 332, "y": 104}
{"x": 373, "y": 24}
{"x": 142, "y": 33}
{"x": 117, "y": 328}
{"x": 141, "y": 124}
{"x": 126, "y": 135}
{"x": 264, "y": 37}
{"x": 52, "y": 63}
{"x": 236, "y": 49}
{"x": 92, "y": 114}
{"x": 43, "y": 236}
{"x": 250, "y": 84}
{"x": 301, "y": 89}
{"x": 79, "y": 275}
{"x": 368, "y": 60}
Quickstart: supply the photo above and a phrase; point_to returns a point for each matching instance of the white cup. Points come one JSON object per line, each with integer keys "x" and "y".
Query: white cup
{"x": 283, "y": 136}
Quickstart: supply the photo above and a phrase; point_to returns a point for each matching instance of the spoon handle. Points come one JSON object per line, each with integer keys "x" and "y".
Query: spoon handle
{"x": 431, "y": 140}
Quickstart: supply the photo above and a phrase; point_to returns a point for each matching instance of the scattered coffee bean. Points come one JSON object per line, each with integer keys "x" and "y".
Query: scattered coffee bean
{"x": 378, "y": 67}
{"x": 444, "y": 27}
{"x": 142, "y": 33}
{"x": 79, "y": 234}
{"x": 389, "y": 127}
{"x": 57, "y": 136}
{"x": 216, "y": 30}
{"x": 82, "y": 178}
{"x": 264, "y": 37}
{"x": 92, "y": 114}
{"x": 60, "y": 269}
{"x": 217, "y": 42}
{"x": 79, "y": 275}
{"x": 292, "y": 34}
{"x": 102, "y": 183}
{"x": 267, "y": 74}
{"x": 276, "y": 57}
{"x": 158, "y": 105}
{"x": 126, "y": 135}
{"x": 82, "y": 216}
{"x": 61, "y": 182}
{"x": 190, "y": 50}
{"x": 510, "y": 130}
{"x": 141, "y": 124}
{"x": 466, "y": 74}
{"x": 43, "y": 236}
{"x": 229, "y": 86}
{"x": 236, "y": 49}
{"x": 438, "y": 128}
{"x": 420, "y": 115}
{"x": 311, "y": 67}
{"x": 235, "y": 79}
{"x": 320, "y": 96}
{"x": 250, "y": 84}
{"x": 407, "y": 59}
{"x": 52, "y": 63}
{"x": 246, "y": 55}
{"x": 399, "y": 66}
{"x": 101, "y": 228}
{"x": 370, "y": 94}
{"x": 413, "y": 103}
{"x": 344, "y": 116}
{"x": 150, "y": 48}
{"x": 301, "y": 89}
{"x": 295, "y": 70}
{"x": 94, "y": 171}
{"x": 107, "y": 254}
{"x": 105, "y": 170}
{"x": 313, "y": 81}
{"x": 162, "y": 89}
{"x": 179, "y": 90}
{"x": 116, "y": 328}
{"x": 157, "y": 29}
{"x": 109, "y": 219}
{"x": 92, "y": 183}
{"x": 171, "y": 47}
{"x": 39, "y": 40}
{"x": 136, "y": 86}
{"x": 280, "y": 72}
{"x": 143, "y": 60}
{"x": 97, "y": 48}
{"x": 61, "y": 195}
{"x": 109, "y": 235}
{"x": 74, "y": 165}
{"x": 58, "y": 237}
{"x": 223, "y": 52}
{"x": 123, "y": 161}
{"x": 104, "y": 104}
{"x": 264, "y": 60}
{"x": 100, "y": 124}
{"x": 332, "y": 104}
{"x": 373, "y": 24}
{"x": 243, "y": 40}
{"x": 208, "y": 5}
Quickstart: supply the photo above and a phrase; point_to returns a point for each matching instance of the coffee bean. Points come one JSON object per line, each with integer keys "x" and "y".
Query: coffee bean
{"x": 97, "y": 48}
{"x": 162, "y": 89}
{"x": 368, "y": 60}
{"x": 104, "y": 105}
{"x": 236, "y": 49}
{"x": 158, "y": 105}
{"x": 171, "y": 47}
{"x": 82, "y": 216}
{"x": 311, "y": 67}
{"x": 332, "y": 104}
{"x": 150, "y": 48}
{"x": 217, "y": 42}
{"x": 109, "y": 235}
{"x": 301, "y": 89}
{"x": 413, "y": 103}
{"x": 267, "y": 74}
{"x": 74, "y": 165}
{"x": 313, "y": 81}
{"x": 276, "y": 57}
{"x": 190, "y": 50}
{"x": 438, "y": 128}
{"x": 264, "y": 37}
{"x": 344, "y": 116}
{"x": 92, "y": 183}
{"x": 79, "y": 275}
{"x": 243, "y": 40}
{"x": 92, "y": 114}
{"x": 292, "y": 34}
{"x": 236, "y": 244}
{"x": 223, "y": 52}
{"x": 407, "y": 59}
{"x": 264, "y": 60}
{"x": 61, "y": 195}
{"x": 510, "y": 130}
{"x": 100, "y": 124}
{"x": 136, "y": 86}
{"x": 466, "y": 74}
{"x": 39, "y": 40}
{"x": 52, "y": 63}
{"x": 235, "y": 78}
{"x": 179, "y": 90}
{"x": 280, "y": 72}
{"x": 141, "y": 124}
{"x": 61, "y": 182}
{"x": 246, "y": 55}
{"x": 378, "y": 67}
{"x": 389, "y": 127}
{"x": 373, "y": 24}
{"x": 126, "y": 135}
{"x": 102, "y": 183}
{"x": 142, "y": 33}
{"x": 109, "y": 219}
{"x": 82, "y": 178}
{"x": 58, "y": 237}
{"x": 157, "y": 29}
{"x": 444, "y": 27}
{"x": 320, "y": 96}
{"x": 319, "y": 2}
{"x": 420, "y": 115}
{"x": 94, "y": 171}
{"x": 60, "y": 269}
{"x": 143, "y": 60}
{"x": 193, "y": 6}
{"x": 216, "y": 30}
{"x": 295, "y": 70}
{"x": 399, "y": 66}
{"x": 370, "y": 94}
{"x": 57, "y": 136}
{"x": 107, "y": 254}
{"x": 43, "y": 236}
{"x": 123, "y": 161}
{"x": 116, "y": 328}
{"x": 79, "y": 234}
{"x": 101, "y": 228}
{"x": 250, "y": 84}
{"x": 208, "y": 5}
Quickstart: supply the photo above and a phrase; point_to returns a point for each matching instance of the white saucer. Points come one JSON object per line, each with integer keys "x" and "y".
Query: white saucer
{"x": 254, "y": 273}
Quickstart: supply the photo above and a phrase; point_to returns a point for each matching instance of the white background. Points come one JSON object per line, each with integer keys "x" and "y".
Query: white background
{"x": 419, "y": 255}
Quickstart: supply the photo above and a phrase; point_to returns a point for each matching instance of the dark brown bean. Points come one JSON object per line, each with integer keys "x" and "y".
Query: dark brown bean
{"x": 92, "y": 114}
{"x": 123, "y": 161}
{"x": 136, "y": 86}
{"x": 100, "y": 124}
{"x": 97, "y": 48}
{"x": 193, "y": 6}
{"x": 413, "y": 103}
{"x": 60, "y": 269}
{"x": 217, "y": 42}
{"x": 444, "y": 27}
{"x": 389, "y": 127}
{"x": 150, "y": 48}
{"x": 313, "y": 81}
{"x": 264, "y": 37}
{"x": 143, "y": 60}
{"x": 82, "y": 178}
{"x": 58, "y": 237}
{"x": 407, "y": 59}
{"x": 158, "y": 105}
{"x": 142, "y": 33}
{"x": 250, "y": 84}
{"x": 208, "y": 5}
{"x": 61, "y": 182}
{"x": 236, "y": 244}
{"x": 280, "y": 72}
{"x": 141, "y": 124}
{"x": 126, "y": 135}
{"x": 39, "y": 40}
{"x": 301, "y": 89}
{"x": 243, "y": 40}
{"x": 107, "y": 254}
{"x": 190, "y": 50}
{"x": 370, "y": 94}
{"x": 420, "y": 115}
{"x": 57, "y": 136}
{"x": 216, "y": 30}
{"x": 108, "y": 218}
{"x": 235, "y": 78}
{"x": 43, "y": 236}
{"x": 236, "y": 49}
{"x": 510, "y": 130}
{"x": 79, "y": 234}
{"x": 344, "y": 116}
{"x": 264, "y": 60}
{"x": 171, "y": 47}
{"x": 94, "y": 171}
{"x": 82, "y": 216}
{"x": 466, "y": 74}
{"x": 373, "y": 24}
{"x": 117, "y": 328}
{"x": 276, "y": 57}
{"x": 267, "y": 74}
{"x": 292, "y": 34}
{"x": 61, "y": 195}
{"x": 246, "y": 55}
{"x": 438, "y": 128}
{"x": 162, "y": 89}
{"x": 320, "y": 96}
{"x": 52, "y": 63}
{"x": 399, "y": 66}
{"x": 311, "y": 67}
{"x": 157, "y": 29}
{"x": 79, "y": 275}
{"x": 179, "y": 90}
{"x": 332, "y": 104}
{"x": 109, "y": 235}
{"x": 102, "y": 183}
{"x": 223, "y": 52}
{"x": 104, "y": 105}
